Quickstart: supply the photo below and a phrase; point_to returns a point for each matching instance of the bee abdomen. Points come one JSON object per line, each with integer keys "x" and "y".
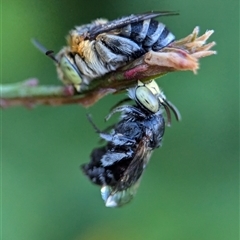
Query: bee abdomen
{"x": 164, "y": 40}
{"x": 139, "y": 30}
{"x": 150, "y": 34}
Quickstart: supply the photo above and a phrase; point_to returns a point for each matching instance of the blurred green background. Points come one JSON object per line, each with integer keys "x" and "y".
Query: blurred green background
{"x": 190, "y": 189}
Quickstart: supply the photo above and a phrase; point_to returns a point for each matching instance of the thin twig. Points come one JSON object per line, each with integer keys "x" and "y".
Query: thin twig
{"x": 181, "y": 55}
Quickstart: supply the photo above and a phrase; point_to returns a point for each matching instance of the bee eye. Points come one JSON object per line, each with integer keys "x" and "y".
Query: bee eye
{"x": 70, "y": 71}
{"x": 147, "y": 99}
{"x": 153, "y": 87}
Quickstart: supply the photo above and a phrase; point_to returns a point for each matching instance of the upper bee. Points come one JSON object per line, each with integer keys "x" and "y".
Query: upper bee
{"x": 103, "y": 46}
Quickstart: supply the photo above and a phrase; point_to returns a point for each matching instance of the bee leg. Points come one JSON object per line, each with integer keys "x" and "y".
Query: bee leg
{"x": 114, "y": 60}
{"x": 127, "y": 110}
{"x": 90, "y": 66}
{"x": 93, "y": 124}
{"x": 117, "y": 139}
{"x": 120, "y": 103}
{"x": 121, "y": 45}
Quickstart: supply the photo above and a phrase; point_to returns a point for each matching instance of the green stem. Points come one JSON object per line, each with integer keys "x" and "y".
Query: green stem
{"x": 24, "y": 89}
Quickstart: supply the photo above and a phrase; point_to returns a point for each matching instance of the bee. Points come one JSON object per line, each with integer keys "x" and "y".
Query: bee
{"x": 103, "y": 46}
{"x": 118, "y": 166}
{"x": 149, "y": 89}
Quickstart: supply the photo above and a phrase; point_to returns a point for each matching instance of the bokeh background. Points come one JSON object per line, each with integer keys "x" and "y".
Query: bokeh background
{"x": 190, "y": 189}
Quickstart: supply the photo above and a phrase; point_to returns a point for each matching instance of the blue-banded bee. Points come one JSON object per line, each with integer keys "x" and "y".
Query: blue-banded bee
{"x": 118, "y": 166}
{"x": 103, "y": 46}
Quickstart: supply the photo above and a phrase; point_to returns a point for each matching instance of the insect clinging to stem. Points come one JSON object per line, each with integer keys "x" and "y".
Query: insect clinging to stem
{"x": 118, "y": 166}
{"x": 103, "y": 46}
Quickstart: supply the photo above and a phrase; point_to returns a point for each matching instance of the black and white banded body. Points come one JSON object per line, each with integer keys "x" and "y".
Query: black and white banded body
{"x": 103, "y": 46}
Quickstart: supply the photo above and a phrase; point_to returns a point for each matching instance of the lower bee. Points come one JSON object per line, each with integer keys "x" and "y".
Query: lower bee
{"x": 103, "y": 46}
{"x": 118, "y": 166}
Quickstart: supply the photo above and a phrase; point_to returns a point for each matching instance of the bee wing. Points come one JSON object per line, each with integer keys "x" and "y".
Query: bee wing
{"x": 136, "y": 167}
{"x": 118, "y": 23}
{"x": 127, "y": 186}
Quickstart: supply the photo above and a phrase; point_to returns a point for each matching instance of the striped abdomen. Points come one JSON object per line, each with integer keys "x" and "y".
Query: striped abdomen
{"x": 149, "y": 34}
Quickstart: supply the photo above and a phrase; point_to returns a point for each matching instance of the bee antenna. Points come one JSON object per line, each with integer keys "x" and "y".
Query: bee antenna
{"x": 44, "y": 50}
{"x": 50, "y": 53}
{"x": 169, "y": 118}
{"x": 174, "y": 109}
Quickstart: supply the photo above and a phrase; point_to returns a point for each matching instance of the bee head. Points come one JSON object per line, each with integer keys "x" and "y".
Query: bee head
{"x": 67, "y": 70}
{"x": 150, "y": 97}
{"x": 146, "y": 98}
